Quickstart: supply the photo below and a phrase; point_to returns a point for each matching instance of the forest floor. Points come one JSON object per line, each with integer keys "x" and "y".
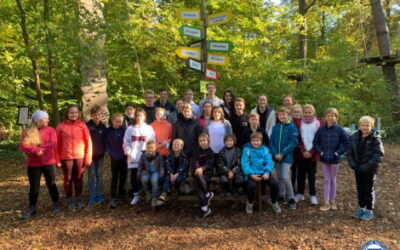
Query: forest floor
{"x": 174, "y": 226}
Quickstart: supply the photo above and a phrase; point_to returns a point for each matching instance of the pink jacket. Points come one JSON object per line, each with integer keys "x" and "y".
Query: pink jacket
{"x": 74, "y": 141}
{"x": 48, "y": 144}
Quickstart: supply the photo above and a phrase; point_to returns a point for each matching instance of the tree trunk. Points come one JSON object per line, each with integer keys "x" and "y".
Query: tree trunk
{"x": 93, "y": 65}
{"x": 53, "y": 84}
{"x": 303, "y": 33}
{"x": 35, "y": 70}
{"x": 382, "y": 34}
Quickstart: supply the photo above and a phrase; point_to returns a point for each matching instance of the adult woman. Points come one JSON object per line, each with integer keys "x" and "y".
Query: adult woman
{"x": 39, "y": 143}
{"x": 205, "y": 116}
{"x": 74, "y": 151}
{"x": 217, "y": 128}
{"x": 229, "y": 103}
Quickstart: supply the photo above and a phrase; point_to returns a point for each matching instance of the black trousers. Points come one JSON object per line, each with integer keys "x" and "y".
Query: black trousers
{"x": 34, "y": 175}
{"x": 135, "y": 183}
{"x": 119, "y": 171}
{"x": 237, "y": 182}
{"x": 366, "y": 189}
{"x": 271, "y": 183}
{"x": 306, "y": 168}
{"x": 201, "y": 185}
{"x": 294, "y": 174}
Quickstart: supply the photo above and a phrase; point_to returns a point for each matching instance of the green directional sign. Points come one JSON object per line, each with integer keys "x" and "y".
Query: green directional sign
{"x": 220, "y": 46}
{"x": 190, "y": 31}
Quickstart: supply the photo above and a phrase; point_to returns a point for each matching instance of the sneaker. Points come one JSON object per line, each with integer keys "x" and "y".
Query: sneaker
{"x": 249, "y": 207}
{"x": 299, "y": 197}
{"x": 282, "y": 200}
{"x": 325, "y": 207}
{"x": 357, "y": 214}
{"x": 57, "y": 208}
{"x": 92, "y": 200}
{"x": 113, "y": 204}
{"x": 313, "y": 200}
{"x": 100, "y": 198}
{"x": 201, "y": 214}
{"x": 79, "y": 204}
{"x": 154, "y": 202}
{"x": 276, "y": 207}
{"x": 209, "y": 198}
{"x": 30, "y": 213}
{"x": 136, "y": 199}
{"x": 333, "y": 205}
{"x": 71, "y": 204}
{"x": 292, "y": 204}
{"x": 160, "y": 202}
{"x": 367, "y": 215}
{"x": 163, "y": 197}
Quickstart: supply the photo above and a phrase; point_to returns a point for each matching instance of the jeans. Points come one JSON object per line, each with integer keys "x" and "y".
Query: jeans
{"x": 73, "y": 176}
{"x": 306, "y": 168}
{"x": 154, "y": 179}
{"x": 271, "y": 183}
{"x": 34, "y": 175}
{"x": 95, "y": 177}
{"x": 177, "y": 183}
{"x": 285, "y": 184}
{"x": 330, "y": 173}
{"x": 119, "y": 171}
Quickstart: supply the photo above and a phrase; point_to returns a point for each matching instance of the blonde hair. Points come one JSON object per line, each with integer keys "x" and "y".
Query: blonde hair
{"x": 150, "y": 142}
{"x": 256, "y": 135}
{"x": 332, "y": 111}
{"x": 159, "y": 109}
{"x": 117, "y": 115}
{"x": 283, "y": 110}
{"x": 296, "y": 106}
{"x": 309, "y": 106}
{"x": 31, "y": 135}
{"x": 179, "y": 141}
{"x": 186, "y": 106}
{"x": 254, "y": 115}
{"x": 149, "y": 92}
{"x": 367, "y": 119}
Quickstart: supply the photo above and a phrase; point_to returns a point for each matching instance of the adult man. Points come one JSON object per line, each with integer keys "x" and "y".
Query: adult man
{"x": 163, "y": 102}
{"x": 148, "y": 106}
{"x": 211, "y": 97}
{"x": 188, "y": 99}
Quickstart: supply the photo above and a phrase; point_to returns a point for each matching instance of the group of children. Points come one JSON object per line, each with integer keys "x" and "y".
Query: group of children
{"x": 159, "y": 157}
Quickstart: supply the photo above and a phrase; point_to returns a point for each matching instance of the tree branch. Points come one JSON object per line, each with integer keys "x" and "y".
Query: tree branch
{"x": 310, "y": 5}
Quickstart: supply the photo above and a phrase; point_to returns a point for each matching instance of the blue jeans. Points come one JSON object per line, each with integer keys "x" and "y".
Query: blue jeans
{"x": 177, "y": 183}
{"x": 95, "y": 177}
{"x": 153, "y": 179}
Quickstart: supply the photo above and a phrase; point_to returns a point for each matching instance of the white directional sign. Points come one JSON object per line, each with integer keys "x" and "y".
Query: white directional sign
{"x": 189, "y": 14}
{"x": 193, "y": 64}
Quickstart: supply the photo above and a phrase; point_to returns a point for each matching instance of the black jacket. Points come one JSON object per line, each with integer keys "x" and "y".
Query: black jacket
{"x": 188, "y": 130}
{"x": 178, "y": 164}
{"x": 235, "y": 165}
{"x": 365, "y": 154}
{"x": 245, "y": 137}
{"x": 98, "y": 136}
{"x": 205, "y": 159}
{"x": 238, "y": 123}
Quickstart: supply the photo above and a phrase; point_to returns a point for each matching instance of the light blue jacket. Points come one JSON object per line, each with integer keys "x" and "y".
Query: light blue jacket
{"x": 256, "y": 161}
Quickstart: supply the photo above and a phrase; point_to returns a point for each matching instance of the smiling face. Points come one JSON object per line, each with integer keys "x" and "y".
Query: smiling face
{"x": 330, "y": 118}
{"x": 160, "y": 115}
{"x": 228, "y": 97}
{"x": 187, "y": 113}
{"x": 96, "y": 117}
{"x": 217, "y": 114}
{"x": 188, "y": 96}
{"x": 203, "y": 142}
{"x": 297, "y": 113}
{"x": 256, "y": 142}
{"x": 130, "y": 111}
{"x": 117, "y": 122}
{"x": 253, "y": 121}
{"x": 287, "y": 101}
{"x": 239, "y": 107}
{"x": 211, "y": 89}
{"x": 229, "y": 142}
{"x": 140, "y": 118}
{"x": 43, "y": 122}
{"x": 73, "y": 113}
{"x": 207, "y": 107}
{"x": 177, "y": 146}
{"x": 262, "y": 101}
{"x": 179, "y": 105}
{"x": 308, "y": 114}
{"x": 149, "y": 100}
{"x": 283, "y": 117}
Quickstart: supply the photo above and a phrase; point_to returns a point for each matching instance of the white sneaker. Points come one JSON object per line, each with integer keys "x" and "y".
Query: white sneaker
{"x": 276, "y": 207}
{"x": 299, "y": 197}
{"x": 136, "y": 199}
{"x": 249, "y": 207}
{"x": 313, "y": 200}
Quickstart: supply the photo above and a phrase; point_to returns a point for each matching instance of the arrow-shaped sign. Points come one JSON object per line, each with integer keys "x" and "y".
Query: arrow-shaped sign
{"x": 219, "y": 18}
{"x": 220, "y": 46}
{"x": 196, "y": 44}
{"x": 188, "y": 14}
{"x": 186, "y": 52}
{"x": 193, "y": 64}
{"x": 218, "y": 59}
{"x": 212, "y": 74}
{"x": 193, "y": 32}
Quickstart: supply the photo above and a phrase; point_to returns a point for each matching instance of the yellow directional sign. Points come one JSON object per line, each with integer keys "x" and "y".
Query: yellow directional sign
{"x": 187, "y": 52}
{"x": 219, "y": 18}
{"x": 188, "y": 14}
{"x": 218, "y": 59}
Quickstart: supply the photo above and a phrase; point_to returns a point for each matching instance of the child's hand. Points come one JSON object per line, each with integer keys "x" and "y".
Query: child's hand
{"x": 230, "y": 175}
{"x": 174, "y": 176}
{"x": 278, "y": 157}
{"x": 256, "y": 177}
{"x": 199, "y": 172}
{"x": 307, "y": 155}
{"x": 265, "y": 177}
{"x": 40, "y": 152}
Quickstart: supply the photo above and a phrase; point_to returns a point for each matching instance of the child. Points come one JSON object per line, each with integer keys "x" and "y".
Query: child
{"x": 254, "y": 121}
{"x": 257, "y": 167}
{"x": 135, "y": 139}
{"x": 129, "y": 116}
{"x": 330, "y": 142}
{"x": 203, "y": 173}
{"x": 365, "y": 156}
{"x": 297, "y": 114}
{"x": 228, "y": 163}
{"x": 39, "y": 143}
{"x": 97, "y": 131}
{"x": 283, "y": 140}
{"x": 306, "y": 156}
{"x": 176, "y": 166}
{"x": 114, "y": 140}
{"x": 163, "y": 132}
{"x": 151, "y": 170}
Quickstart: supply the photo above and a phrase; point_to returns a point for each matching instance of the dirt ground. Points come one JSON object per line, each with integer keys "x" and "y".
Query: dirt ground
{"x": 174, "y": 226}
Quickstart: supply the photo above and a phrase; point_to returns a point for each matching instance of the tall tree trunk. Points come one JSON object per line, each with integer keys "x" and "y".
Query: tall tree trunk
{"x": 35, "y": 70}
{"x": 93, "y": 66}
{"x": 303, "y": 33}
{"x": 382, "y": 34}
{"x": 53, "y": 84}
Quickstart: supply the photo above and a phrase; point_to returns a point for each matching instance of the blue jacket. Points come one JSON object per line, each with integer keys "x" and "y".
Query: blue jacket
{"x": 256, "y": 161}
{"x": 284, "y": 139}
{"x": 330, "y": 143}
{"x": 114, "y": 140}
{"x": 178, "y": 164}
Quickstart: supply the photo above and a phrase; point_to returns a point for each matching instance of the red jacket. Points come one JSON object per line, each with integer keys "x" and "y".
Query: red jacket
{"x": 74, "y": 141}
{"x": 163, "y": 131}
{"x": 48, "y": 144}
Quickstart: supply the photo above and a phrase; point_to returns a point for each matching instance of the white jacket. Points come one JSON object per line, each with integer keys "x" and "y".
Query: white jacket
{"x": 135, "y": 140}
{"x": 271, "y": 120}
